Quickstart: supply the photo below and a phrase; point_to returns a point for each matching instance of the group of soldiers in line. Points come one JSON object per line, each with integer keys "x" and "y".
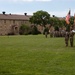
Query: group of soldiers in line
{"x": 54, "y": 33}
{"x": 67, "y": 33}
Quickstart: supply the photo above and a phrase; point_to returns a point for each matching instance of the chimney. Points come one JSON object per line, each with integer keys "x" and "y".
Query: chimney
{"x": 3, "y": 12}
{"x": 25, "y": 14}
{"x": 10, "y": 14}
{"x": 53, "y": 15}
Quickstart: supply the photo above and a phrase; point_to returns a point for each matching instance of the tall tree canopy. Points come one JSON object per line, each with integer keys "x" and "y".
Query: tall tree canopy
{"x": 55, "y": 21}
{"x": 72, "y": 20}
{"x": 40, "y": 18}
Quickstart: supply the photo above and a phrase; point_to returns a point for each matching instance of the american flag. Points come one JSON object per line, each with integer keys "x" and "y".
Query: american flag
{"x": 68, "y": 18}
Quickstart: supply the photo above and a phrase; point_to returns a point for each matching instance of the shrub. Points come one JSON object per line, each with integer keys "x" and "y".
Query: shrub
{"x": 34, "y": 30}
{"x": 56, "y": 28}
{"x": 24, "y": 29}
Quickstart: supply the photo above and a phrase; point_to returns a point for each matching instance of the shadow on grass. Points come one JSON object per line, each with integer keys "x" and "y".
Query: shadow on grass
{"x": 3, "y": 72}
{"x": 9, "y": 73}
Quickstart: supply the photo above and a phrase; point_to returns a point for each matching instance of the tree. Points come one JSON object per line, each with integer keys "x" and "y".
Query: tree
{"x": 34, "y": 30}
{"x": 40, "y": 18}
{"x": 54, "y": 21}
{"x": 72, "y": 20}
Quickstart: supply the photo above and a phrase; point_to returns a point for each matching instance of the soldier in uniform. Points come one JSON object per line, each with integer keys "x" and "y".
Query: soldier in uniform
{"x": 46, "y": 32}
{"x": 67, "y": 35}
{"x": 51, "y": 31}
{"x": 69, "y": 28}
{"x": 71, "y": 36}
{"x": 66, "y": 38}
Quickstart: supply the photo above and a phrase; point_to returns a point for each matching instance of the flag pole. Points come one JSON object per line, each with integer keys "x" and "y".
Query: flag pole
{"x": 67, "y": 19}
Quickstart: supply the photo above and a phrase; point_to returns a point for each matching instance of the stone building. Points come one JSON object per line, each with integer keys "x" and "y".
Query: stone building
{"x": 10, "y": 23}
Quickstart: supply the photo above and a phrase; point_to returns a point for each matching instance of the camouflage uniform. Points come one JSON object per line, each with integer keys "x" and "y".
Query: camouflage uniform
{"x": 46, "y": 32}
{"x": 51, "y": 31}
{"x": 69, "y": 35}
{"x": 66, "y": 38}
{"x": 71, "y": 38}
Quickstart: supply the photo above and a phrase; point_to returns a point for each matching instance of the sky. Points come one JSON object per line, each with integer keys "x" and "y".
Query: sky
{"x": 58, "y": 8}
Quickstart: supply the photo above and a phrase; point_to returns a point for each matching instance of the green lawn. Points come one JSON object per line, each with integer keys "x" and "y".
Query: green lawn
{"x": 35, "y": 55}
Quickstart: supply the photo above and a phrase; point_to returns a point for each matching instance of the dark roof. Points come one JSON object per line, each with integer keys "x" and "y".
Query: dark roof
{"x": 14, "y": 17}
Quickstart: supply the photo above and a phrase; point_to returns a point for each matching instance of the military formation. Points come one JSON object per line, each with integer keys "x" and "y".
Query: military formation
{"x": 68, "y": 35}
{"x": 67, "y": 32}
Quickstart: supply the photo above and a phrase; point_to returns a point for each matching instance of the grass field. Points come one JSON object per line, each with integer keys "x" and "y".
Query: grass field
{"x": 35, "y": 55}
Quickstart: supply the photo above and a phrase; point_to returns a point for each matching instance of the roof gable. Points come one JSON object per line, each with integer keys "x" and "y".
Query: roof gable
{"x": 14, "y": 17}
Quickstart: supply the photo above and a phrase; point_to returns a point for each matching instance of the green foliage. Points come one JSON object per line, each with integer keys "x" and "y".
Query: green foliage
{"x": 56, "y": 28}
{"x": 40, "y": 18}
{"x": 72, "y": 20}
{"x": 46, "y": 30}
{"x": 34, "y": 30}
{"x": 35, "y": 55}
{"x": 54, "y": 21}
{"x": 24, "y": 29}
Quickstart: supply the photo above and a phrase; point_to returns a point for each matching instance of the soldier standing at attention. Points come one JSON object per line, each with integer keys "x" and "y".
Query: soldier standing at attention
{"x": 46, "y": 31}
{"x": 66, "y": 38}
{"x": 69, "y": 31}
{"x": 67, "y": 28}
{"x": 71, "y": 38}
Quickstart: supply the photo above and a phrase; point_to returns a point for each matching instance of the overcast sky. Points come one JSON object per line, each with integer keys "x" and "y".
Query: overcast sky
{"x": 59, "y": 8}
